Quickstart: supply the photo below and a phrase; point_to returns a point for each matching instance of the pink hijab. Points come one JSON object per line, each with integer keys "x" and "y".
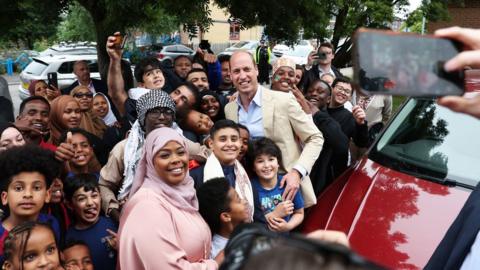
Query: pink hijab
{"x": 182, "y": 195}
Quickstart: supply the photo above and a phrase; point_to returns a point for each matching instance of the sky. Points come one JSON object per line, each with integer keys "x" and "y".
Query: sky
{"x": 414, "y": 4}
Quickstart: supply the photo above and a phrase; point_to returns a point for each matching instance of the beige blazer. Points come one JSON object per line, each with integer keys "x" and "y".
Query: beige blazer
{"x": 284, "y": 121}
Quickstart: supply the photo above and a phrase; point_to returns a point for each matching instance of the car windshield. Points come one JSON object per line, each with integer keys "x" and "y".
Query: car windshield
{"x": 431, "y": 142}
{"x": 36, "y": 67}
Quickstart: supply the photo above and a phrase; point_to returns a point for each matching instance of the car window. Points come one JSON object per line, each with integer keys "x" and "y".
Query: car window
{"x": 171, "y": 49}
{"x": 66, "y": 67}
{"x": 431, "y": 142}
{"x": 36, "y": 67}
{"x": 92, "y": 66}
{"x": 183, "y": 49}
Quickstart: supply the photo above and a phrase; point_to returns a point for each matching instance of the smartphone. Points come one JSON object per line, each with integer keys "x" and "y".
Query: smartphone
{"x": 385, "y": 62}
{"x": 321, "y": 55}
{"x": 120, "y": 41}
{"x": 52, "y": 79}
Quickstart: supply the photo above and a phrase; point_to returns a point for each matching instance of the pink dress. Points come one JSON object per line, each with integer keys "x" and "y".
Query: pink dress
{"x": 154, "y": 234}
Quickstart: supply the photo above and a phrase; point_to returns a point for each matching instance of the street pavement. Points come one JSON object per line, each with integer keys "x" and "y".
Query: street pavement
{"x": 13, "y": 84}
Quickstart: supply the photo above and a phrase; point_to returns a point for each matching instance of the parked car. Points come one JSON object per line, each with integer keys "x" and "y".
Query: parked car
{"x": 299, "y": 54}
{"x": 168, "y": 53}
{"x": 279, "y": 49}
{"x": 297, "y": 50}
{"x": 396, "y": 204}
{"x": 64, "y": 48}
{"x": 248, "y": 45}
{"x": 61, "y": 64}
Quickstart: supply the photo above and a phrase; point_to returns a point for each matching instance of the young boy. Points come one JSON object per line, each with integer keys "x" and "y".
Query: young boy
{"x": 222, "y": 209}
{"x": 82, "y": 194}
{"x": 26, "y": 175}
{"x": 225, "y": 144}
{"x": 281, "y": 216}
{"x": 76, "y": 255}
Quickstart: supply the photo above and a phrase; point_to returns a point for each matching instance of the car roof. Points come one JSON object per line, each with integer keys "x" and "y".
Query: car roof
{"x": 65, "y": 57}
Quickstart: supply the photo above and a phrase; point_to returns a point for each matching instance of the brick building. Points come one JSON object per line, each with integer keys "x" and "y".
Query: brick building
{"x": 467, "y": 15}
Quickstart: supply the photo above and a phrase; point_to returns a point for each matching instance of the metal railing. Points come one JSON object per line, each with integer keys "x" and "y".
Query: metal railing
{"x": 22, "y": 61}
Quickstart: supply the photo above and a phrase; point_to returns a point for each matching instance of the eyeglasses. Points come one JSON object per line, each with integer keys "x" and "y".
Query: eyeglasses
{"x": 344, "y": 90}
{"x": 81, "y": 95}
{"x": 156, "y": 112}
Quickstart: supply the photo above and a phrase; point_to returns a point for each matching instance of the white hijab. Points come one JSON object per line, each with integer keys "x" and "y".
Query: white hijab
{"x": 110, "y": 118}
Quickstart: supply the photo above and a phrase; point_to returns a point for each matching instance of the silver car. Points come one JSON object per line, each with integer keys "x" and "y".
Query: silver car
{"x": 169, "y": 52}
{"x": 61, "y": 64}
{"x": 248, "y": 45}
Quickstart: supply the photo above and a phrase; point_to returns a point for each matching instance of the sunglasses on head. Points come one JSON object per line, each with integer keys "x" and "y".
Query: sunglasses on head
{"x": 81, "y": 95}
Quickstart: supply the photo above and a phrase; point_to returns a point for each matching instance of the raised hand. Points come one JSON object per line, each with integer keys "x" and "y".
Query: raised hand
{"x": 65, "y": 151}
{"x": 358, "y": 114}
{"x": 114, "y": 52}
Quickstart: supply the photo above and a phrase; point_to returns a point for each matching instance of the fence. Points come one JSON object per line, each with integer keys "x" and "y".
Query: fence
{"x": 21, "y": 61}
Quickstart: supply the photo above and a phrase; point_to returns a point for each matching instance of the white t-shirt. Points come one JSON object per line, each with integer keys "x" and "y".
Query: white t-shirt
{"x": 218, "y": 244}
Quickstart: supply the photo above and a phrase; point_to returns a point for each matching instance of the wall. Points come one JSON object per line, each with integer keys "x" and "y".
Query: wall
{"x": 466, "y": 16}
{"x": 219, "y": 32}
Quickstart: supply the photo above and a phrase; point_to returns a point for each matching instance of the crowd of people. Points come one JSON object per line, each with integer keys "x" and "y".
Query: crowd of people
{"x": 105, "y": 175}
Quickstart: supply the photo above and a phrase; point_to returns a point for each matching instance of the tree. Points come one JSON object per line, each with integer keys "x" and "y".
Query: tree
{"x": 161, "y": 23}
{"x": 77, "y": 25}
{"x": 282, "y": 19}
{"x": 414, "y": 21}
{"x": 26, "y": 21}
{"x": 110, "y": 16}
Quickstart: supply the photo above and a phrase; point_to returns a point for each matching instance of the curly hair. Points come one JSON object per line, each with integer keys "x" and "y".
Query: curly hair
{"x": 27, "y": 158}
{"x": 213, "y": 200}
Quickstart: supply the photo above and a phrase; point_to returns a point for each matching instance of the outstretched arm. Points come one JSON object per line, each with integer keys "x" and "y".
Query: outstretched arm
{"x": 116, "y": 85}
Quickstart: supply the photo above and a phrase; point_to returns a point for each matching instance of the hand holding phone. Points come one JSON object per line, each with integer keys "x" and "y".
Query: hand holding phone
{"x": 120, "y": 40}
{"x": 405, "y": 64}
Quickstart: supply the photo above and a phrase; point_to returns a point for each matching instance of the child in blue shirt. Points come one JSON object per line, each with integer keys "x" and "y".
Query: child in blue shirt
{"x": 281, "y": 216}
{"x": 82, "y": 194}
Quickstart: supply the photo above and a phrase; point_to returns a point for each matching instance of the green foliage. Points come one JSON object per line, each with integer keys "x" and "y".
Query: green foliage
{"x": 30, "y": 20}
{"x": 433, "y": 10}
{"x": 161, "y": 22}
{"x": 41, "y": 45}
{"x": 25, "y": 21}
{"x": 77, "y": 25}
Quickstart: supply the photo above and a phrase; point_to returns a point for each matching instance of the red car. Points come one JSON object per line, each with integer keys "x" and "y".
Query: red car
{"x": 396, "y": 204}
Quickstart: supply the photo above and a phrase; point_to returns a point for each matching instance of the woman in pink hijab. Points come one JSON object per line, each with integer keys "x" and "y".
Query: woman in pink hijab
{"x": 160, "y": 226}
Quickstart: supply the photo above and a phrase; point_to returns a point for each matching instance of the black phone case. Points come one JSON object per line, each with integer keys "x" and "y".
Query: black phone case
{"x": 52, "y": 79}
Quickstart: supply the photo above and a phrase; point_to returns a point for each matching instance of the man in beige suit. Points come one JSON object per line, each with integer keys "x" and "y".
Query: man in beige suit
{"x": 277, "y": 116}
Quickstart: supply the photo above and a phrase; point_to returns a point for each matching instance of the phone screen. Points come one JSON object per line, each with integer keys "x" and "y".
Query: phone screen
{"x": 405, "y": 64}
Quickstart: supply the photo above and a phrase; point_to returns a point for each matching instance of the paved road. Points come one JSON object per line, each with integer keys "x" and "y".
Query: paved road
{"x": 13, "y": 83}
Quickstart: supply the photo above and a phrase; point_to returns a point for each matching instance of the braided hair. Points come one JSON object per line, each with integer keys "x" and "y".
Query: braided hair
{"x": 17, "y": 240}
